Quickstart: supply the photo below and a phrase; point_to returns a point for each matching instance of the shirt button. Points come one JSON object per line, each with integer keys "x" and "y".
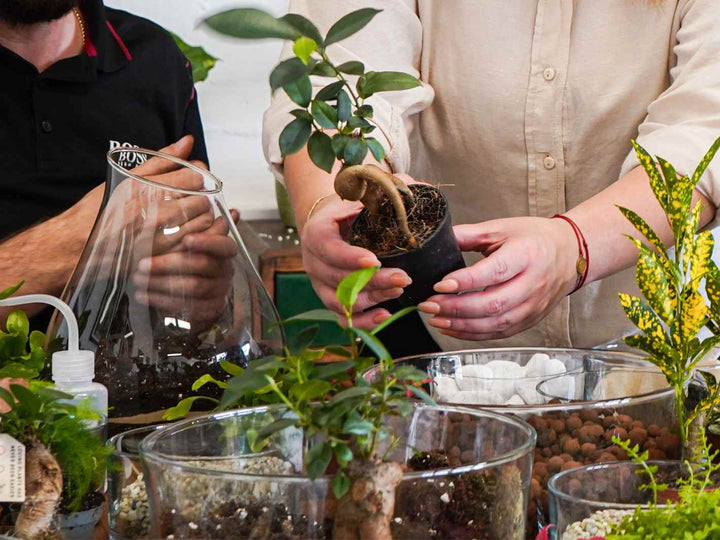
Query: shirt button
{"x": 46, "y": 126}
{"x": 548, "y": 74}
{"x": 549, "y": 162}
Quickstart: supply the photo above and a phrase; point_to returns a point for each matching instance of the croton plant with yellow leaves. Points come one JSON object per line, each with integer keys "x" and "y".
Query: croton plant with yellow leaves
{"x": 673, "y": 310}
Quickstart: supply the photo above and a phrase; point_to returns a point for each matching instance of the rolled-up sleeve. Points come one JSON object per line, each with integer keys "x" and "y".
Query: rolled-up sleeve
{"x": 684, "y": 120}
{"x": 391, "y": 42}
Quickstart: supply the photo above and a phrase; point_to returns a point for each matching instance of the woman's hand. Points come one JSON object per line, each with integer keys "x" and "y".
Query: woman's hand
{"x": 529, "y": 266}
{"x": 328, "y": 258}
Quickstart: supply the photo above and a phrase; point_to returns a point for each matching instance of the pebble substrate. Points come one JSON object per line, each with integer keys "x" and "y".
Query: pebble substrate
{"x": 597, "y": 524}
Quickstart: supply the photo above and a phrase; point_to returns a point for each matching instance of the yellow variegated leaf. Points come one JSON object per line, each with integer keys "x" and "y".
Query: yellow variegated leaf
{"x": 643, "y": 228}
{"x": 712, "y": 289}
{"x": 701, "y": 250}
{"x": 643, "y": 317}
{"x": 653, "y": 283}
{"x": 679, "y": 201}
{"x": 707, "y": 158}
{"x": 662, "y": 355}
{"x": 668, "y": 172}
{"x": 692, "y": 316}
{"x": 656, "y": 181}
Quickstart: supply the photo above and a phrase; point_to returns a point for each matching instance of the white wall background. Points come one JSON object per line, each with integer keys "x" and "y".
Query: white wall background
{"x": 232, "y": 99}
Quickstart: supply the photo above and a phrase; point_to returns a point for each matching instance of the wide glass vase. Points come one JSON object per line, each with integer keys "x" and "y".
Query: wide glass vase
{"x": 165, "y": 291}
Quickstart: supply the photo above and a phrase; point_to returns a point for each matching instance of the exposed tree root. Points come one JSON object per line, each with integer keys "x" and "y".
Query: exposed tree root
{"x": 43, "y": 489}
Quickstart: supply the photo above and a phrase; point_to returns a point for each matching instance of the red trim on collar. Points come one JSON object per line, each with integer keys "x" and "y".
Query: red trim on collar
{"x": 120, "y": 42}
{"x": 90, "y": 49}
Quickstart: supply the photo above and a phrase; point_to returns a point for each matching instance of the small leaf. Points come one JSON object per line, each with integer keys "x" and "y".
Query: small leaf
{"x": 332, "y": 369}
{"x": 286, "y": 72}
{"x": 349, "y": 288}
{"x": 304, "y": 26}
{"x": 5, "y": 293}
{"x": 317, "y": 460}
{"x": 37, "y": 340}
{"x": 385, "y": 81}
{"x": 409, "y": 373}
{"x": 7, "y": 397}
{"x": 302, "y": 113}
{"x": 355, "y": 151}
{"x": 344, "y": 106}
{"x": 340, "y": 484}
{"x": 657, "y": 183}
{"x": 318, "y": 315}
{"x": 643, "y": 228}
{"x": 339, "y": 142}
{"x": 302, "y": 340}
{"x": 700, "y": 169}
{"x": 352, "y": 68}
{"x": 343, "y": 454}
{"x": 339, "y": 350}
{"x": 324, "y": 114}
{"x": 294, "y": 136}
{"x": 230, "y": 368}
{"x": 277, "y": 425}
{"x": 300, "y": 91}
{"x": 330, "y": 91}
{"x": 352, "y": 392}
{"x": 419, "y": 392}
{"x": 321, "y": 152}
{"x": 323, "y": 69}
{"x": 250, "y": 23}
{"x": 248, "y": 382}
{"x": 364, "y": 111}
{"x": 376, "y": 148}
{"x": 304, "y": 47}
{"x": 18, "y": 323}
{"x": 373, "y": 343}
{"x": 355, "y": 425}
{"x": 26, "y": 398}
{"x": 200, "y": 61}
{"x": 643, "y": 316}
{"x": 183, "y": 407}
{"x": 349, "y": 24}
{"x": 16, "y": 370}
{"x": 310, "y": 390}
{"x": 205, "y": 379}
{"x": 394, "y": 317}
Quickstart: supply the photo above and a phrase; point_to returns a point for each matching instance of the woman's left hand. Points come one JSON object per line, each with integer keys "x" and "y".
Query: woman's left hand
{"x": 529, "y": 266}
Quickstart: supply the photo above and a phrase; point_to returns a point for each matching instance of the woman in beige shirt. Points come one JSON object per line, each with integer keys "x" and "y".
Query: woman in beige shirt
{"x": 527, "y": 109}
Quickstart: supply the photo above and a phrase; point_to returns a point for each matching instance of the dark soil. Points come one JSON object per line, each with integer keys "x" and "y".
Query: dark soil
{"x": 381, "y": 234}
{"x": 91, "y": 500}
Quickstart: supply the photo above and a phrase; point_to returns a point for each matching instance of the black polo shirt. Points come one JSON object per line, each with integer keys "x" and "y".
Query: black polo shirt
{"x": 131, "y": 86}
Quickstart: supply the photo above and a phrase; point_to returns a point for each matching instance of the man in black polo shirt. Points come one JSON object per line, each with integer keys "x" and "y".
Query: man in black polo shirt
{"x": 77, "y": 80}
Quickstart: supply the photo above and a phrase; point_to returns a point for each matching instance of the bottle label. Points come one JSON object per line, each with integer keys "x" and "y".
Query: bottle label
{"x": 12, "y": 469}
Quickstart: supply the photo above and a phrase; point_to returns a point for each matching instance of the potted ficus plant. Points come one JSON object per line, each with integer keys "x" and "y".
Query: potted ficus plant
{"x": 337, "y": 456}
{"x": 673, "y": 310}
{"x": 407, "y": 227}
{"x": 65, "y": 459}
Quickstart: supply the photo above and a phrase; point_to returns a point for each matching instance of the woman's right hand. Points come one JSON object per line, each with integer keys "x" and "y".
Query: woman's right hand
{"x": 328, "y": 258}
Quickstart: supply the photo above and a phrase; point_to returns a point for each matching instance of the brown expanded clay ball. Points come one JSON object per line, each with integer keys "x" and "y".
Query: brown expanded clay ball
{"x": 540, "y": 470}
{"x": 618, "y": 431}
{"x": 654, "y": 453}
{"x": 625, "y": 421}
{"x": 653, "y": 430}
{"x": 587, "y": 449}
{"x": 588, "y": 415}
{"x": 668, "y": 443}
{"x": 637, "y": 424}
{"x": 554, "y": 464}
{"x": 618, "y": 452}
{"x": 571, "y": 465}
{"x": 546, "y": 437}
{"x": 606, "y": 457}
{"x": 571, "y": 446}
{"x": 590, "y": 433}
{"x": 610, "y": 421}
{"x": 565, "y": 457}
{"x": 638, "y": 436}
{"x": 573, "y": 422}
{"x": 558, "y": 425}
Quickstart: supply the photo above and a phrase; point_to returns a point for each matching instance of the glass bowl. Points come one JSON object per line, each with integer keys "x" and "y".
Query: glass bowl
{"x": 469, "y": 476}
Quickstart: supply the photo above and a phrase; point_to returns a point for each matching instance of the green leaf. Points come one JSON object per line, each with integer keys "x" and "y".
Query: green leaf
{"x": 294, "y": 136}
{"x": 16, "y": 370}
{"x": 230, "y": 368}
{"x": 657, "y": 183}
{"x": 323, "y": 69}
{"x": 349, "y": 24}
{"x": 18, "y": 323}
{"x": 269, "y": 363}
{"x": 376, "y": 148}
{"x": 643, "y": 228}
{"x": 344, "y": 106}
{"x": 700, "y": 254}
{"x": 679, "y": 200}
{"x": 286, "y": 72}
{"x": 27, "y": 399}
{"x": 352, "y": 392}
{"x": 373, "y": 343}
{"x": 324, "y": 114}
{"x": 250, "y": 23}
{"x": 254, "y": 441}
{"x": 304, "y": 26}
{"x": 7, "y": 397}
{"x": 326, "y": 371}
{"x": 643, "y": 316}
{"x": 385, "y": 81}
{"x": 200, "y": 61}
{"x": 238, "y": 387}
{"x": 321, "y": 151}
{"x": 300, "y": 91}
{"x": 349, "y": 288}
{"x": 394, "y": 317}
{"x": 339, "y": 142}
{"x": 277, "y": 425}
{"x": 302, "y": 113}
{"x": 302, "y": 340}
{"x": 339, "y": 350}
{"x": 355, "y": 425}
{"x": 304, "y": 47}
{"x": 37, "y": 340}
{"x": 364, "y": 111}
{"x": 661, "y": 354}
{"x": 692, "y": 315}
{"x": 653, "y": 283}
{"x": 330, "y": 91}
{"x": 700, "y": 169}
{"x": 409, "y": 373}
{"x": 352, "y": 68}
{"x": 205, "y": 379}
{"x": 317, "y": 460}
{"x": 343, "y": 454}
{"x": 183, "y": 407}
{"x": 317, "y": 315}
{"x": 340, "y": 484}
{"x": 5, "y": 293}
{"x": 310, "y": 390}
{"x": 419, "y": 392}
{"x": 355, "y": 151}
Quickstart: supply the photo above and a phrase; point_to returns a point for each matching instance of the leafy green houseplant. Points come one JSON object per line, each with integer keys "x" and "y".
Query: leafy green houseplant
{"x": 65, "y": 460}
{"x": 673, "y": 310}
{"x": 336, "y": 124}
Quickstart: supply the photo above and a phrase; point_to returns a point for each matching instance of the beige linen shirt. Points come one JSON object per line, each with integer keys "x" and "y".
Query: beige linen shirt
{"x": 528, "y": 108}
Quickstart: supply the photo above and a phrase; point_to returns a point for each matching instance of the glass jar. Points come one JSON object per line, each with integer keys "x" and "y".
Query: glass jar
{"x": 165, "y": 291}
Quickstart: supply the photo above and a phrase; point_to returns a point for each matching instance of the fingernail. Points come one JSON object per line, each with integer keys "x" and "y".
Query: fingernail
{"x": 400, "y": 279}
{"x": 381, "y": 317}
{"x": 446, "y": 286}
{"x": 429, "y": 307}
{"x": 145, "y": 265}
{"x": 393, "y": 293}
{"x": 367, "y": 262}
{"x": 440, "y": 323}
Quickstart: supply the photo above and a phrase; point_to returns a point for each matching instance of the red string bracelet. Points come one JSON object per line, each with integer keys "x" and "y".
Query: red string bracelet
{"x": 583, "y": 262}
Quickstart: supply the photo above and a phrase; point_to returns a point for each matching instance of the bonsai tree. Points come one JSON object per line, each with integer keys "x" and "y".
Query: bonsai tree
{"x": 65, "y": 461}
{"x": 334, "y": 402}
{"x": 673, "y": 310}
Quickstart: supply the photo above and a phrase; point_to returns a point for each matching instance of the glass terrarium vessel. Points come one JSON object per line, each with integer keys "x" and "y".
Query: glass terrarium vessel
{"x": 575, "y": 399}
{"x": 467, "y": 476}
{"x": 164, "y": 290}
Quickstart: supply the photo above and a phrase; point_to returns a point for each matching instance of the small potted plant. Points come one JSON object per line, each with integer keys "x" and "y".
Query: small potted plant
{"x": 65, "y": 459}
{"x": 407, "y": 227}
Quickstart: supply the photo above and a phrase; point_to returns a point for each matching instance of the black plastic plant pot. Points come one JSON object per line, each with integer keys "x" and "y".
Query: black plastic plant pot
{"x": 437, "y": 256}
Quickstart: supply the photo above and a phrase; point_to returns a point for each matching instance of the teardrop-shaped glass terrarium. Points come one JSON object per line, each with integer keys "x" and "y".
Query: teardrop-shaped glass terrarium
{"x": 165, "y": 290}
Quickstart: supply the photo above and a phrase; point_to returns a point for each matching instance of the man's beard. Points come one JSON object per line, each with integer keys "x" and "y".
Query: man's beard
{"x": 17, "y": 12}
